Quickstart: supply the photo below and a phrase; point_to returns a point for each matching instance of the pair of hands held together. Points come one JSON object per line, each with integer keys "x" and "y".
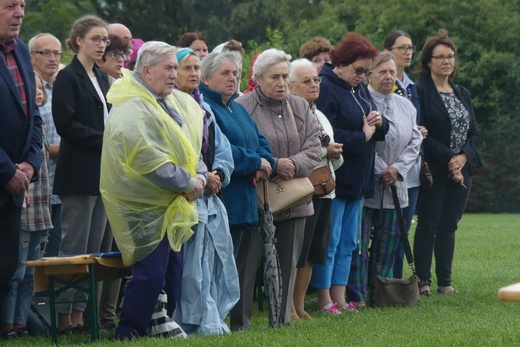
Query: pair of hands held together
{"x": 213, "y": 186}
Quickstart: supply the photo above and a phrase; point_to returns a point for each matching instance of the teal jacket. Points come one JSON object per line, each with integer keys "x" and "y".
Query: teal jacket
{"x": 248, "y": 147}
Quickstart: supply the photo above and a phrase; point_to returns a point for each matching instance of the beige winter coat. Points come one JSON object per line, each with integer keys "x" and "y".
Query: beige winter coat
{"x": 301, "y": 144}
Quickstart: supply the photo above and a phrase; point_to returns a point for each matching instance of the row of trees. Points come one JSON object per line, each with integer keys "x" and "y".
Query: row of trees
{"x": 486, "y": 32}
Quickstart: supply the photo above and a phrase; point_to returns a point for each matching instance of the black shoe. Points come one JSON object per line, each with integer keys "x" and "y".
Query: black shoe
{"x": 80, "y": 329}
{"x": 107, "y": 326}
{"x": 66, "y": 331}
{"x": 424, "y": 288}
{"x": 22, "y": 332}
{"x": 8, "y": 335}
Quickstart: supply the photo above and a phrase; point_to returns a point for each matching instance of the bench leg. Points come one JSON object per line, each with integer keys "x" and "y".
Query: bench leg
{"x": 92, "y": 299}
{"x": 52, "y": 303}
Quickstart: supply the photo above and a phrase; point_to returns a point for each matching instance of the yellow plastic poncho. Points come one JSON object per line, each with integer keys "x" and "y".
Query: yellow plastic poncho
{"x": 139, "y": 138}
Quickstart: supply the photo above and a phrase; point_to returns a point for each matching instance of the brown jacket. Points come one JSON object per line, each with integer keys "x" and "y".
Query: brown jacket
{"x": 301, "y": 144}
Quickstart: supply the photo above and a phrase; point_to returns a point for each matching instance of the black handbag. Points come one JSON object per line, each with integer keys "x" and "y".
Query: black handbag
{"x": 393, "y": 291}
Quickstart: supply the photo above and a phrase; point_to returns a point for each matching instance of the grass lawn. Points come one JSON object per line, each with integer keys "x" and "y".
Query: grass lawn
{"x": 487, "y": 257}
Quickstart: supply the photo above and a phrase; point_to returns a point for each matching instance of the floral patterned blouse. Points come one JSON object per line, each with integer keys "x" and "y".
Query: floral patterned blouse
{"x": 459, "y": 117}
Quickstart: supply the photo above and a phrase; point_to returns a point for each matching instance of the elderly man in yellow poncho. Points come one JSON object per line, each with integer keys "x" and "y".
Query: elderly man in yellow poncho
{"x": 151, "y": 174}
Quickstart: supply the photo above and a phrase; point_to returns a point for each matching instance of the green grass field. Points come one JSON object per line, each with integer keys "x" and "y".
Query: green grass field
{"x": 487, "y": 257}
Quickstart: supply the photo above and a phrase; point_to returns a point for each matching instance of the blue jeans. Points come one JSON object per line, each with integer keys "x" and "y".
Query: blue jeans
{"x": 344, "y": 234}
{"x": 17, "y": 304}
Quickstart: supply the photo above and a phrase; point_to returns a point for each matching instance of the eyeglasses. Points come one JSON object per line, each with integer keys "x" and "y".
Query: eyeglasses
{"x": 97, "y": 40}
{"x": 48, "y": 54}
{"x": 404, "y": 49}
{"x": 361, "y": 70}
{"x": 116, "y": 56}
{"x": 442, "y": 58}
{"x": 308, "y": 81}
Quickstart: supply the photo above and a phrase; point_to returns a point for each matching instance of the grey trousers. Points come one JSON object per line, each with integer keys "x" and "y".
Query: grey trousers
{"x": 289, "y": 236}
{"x": 108, "y": 290}
{"x": 83, "y": 221}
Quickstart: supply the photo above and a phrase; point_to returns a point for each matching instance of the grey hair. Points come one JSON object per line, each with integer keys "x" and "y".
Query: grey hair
{"x": 32, "y": 41}
{"x": 150, "y": 54}
{"x": 383, "y": 57}
{"x": 298, "y": 64}
{"x": 212, "y": 62}
{"x": 268, "y": 58}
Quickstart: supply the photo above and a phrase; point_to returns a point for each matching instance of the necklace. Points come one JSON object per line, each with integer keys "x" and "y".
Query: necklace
{"x": 353, "y": 92}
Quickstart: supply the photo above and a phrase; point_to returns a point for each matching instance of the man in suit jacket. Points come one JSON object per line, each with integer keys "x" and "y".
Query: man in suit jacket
{"x": 20, "y": 134}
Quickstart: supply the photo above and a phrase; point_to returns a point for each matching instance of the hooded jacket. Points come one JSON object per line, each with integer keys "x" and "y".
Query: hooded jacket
{"x": 345, "y": 106}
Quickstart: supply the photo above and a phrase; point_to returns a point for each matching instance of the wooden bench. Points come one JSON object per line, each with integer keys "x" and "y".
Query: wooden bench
{"x": 58, "y": 274}
{"x": 510, "y": 293}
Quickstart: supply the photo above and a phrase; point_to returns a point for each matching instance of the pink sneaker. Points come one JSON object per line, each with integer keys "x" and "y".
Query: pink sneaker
{"x": 331, "y": 308}
{"x": 358, "y": 304}
{"x": 351, "y": 307}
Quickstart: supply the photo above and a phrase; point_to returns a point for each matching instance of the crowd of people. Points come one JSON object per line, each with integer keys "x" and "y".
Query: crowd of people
{"x": 154, "y": 151}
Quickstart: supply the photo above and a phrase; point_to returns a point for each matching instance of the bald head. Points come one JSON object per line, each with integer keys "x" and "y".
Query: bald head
{"x": 45, "y": 55}
{"x": 121, "y": 31}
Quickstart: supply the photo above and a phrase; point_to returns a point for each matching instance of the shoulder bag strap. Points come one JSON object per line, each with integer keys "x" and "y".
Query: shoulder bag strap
{"x": 291, "y": 114}
{"x": 402, "y": 227}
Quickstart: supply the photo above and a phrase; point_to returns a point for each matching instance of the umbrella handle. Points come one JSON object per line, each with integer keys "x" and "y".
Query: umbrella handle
{"x": 266, "y": 194}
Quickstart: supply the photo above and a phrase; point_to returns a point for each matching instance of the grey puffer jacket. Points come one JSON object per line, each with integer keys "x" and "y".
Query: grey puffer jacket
{"x": 301, "y": 144}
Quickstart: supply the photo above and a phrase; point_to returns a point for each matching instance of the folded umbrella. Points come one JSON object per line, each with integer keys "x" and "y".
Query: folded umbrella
{"x": 272, "y": 271}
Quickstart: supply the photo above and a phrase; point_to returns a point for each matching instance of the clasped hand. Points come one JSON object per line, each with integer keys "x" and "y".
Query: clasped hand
{"x": 213, "y": 185}
{"x": 455, "y": 168}
{"x": 285, "y": 170}
{"x": 263, "y": 173}
{"x": 389, "y": 176}
{"x": 334, "y": 150}
{"x": 19, "y": 183}
{"x": 196, "y": 191}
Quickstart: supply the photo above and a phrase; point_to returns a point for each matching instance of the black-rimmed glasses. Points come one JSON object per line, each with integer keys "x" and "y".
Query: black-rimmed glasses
{"x": 48, "y": 54}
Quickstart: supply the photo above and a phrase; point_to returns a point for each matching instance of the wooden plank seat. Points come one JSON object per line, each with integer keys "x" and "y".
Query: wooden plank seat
{"x": 82, "y": 272}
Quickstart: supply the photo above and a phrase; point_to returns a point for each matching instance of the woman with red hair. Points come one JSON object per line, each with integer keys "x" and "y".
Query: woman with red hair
{"x": 346, "y": 102}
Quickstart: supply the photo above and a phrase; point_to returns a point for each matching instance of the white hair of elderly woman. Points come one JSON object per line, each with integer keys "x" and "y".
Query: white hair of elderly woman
{"x": 212, "y": 62}
{"x": 268, "y": 58}
{"x": 150, "y": 54}
{"x": 298, "y": 64}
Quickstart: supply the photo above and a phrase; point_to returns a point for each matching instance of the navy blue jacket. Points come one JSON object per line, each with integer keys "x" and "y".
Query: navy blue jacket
{"x": 344, "y": 106}
{"x": 20, "y": 136}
